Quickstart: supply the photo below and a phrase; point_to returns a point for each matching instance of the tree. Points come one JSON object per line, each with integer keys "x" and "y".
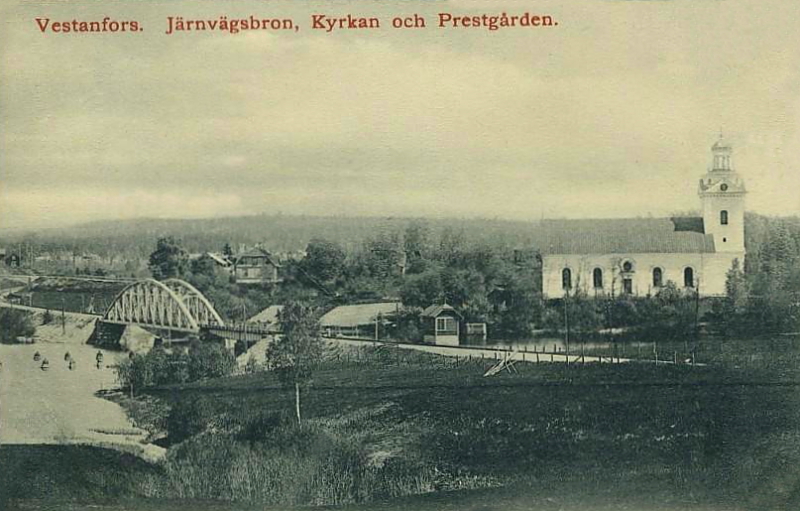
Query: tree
{"x": 204, "y": 265}
{"x": 735, "y": 289}
{"x": 382, "y": 255}
{"x": 422, "y": 289}
{"x": 227, "y": 251}
{"x": 517, "y": 304}
{"x": 168, "y": 260}
{"x": 15, "y": 323}
{"x": 324, "y": 259}
{"x": 209, "y": 360}
{"x": 299, "y": 348}
{"x": 416, "y": 244}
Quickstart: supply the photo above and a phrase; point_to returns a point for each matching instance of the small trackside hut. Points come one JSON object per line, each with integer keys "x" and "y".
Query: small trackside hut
{"x": 440, "y": 324}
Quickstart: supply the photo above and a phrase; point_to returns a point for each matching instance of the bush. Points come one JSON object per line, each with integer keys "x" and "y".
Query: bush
{"x": 293, "y": 465}
{"x": 209, "y": 360}
{"x": 190, "y": 417}
{"x": 15, "y": 323}
{"x": 160, "y": 367}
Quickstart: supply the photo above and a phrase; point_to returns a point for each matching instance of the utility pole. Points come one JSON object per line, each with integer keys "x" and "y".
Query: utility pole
{"x": 697, "y": 307}
{"x": 63, "y": 319}
{"x": 244, "y": 327}
{"x": 566, "y": 324}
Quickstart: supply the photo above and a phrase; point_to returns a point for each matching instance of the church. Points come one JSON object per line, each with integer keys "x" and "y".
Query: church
{"x": 638, "y": 256}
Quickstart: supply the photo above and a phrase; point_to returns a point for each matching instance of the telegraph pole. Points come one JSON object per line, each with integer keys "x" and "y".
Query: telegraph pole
{"x": 566, "y": 324}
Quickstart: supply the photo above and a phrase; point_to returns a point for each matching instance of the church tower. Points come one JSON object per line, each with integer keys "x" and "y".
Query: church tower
{"x": 722, "y": 194}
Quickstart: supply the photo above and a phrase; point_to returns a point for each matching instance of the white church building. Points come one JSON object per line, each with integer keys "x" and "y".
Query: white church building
{"x": 637, "y": 256}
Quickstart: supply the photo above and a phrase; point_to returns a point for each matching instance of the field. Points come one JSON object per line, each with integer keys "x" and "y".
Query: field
{"x": 394, "y": 430}
{"x": 73, "y": 296}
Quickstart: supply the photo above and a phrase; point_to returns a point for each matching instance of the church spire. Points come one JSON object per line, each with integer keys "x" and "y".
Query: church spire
{"x": 721, "y": 151}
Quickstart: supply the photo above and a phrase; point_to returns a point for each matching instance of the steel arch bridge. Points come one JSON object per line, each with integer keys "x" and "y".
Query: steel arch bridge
{"x": 172, "y": 304}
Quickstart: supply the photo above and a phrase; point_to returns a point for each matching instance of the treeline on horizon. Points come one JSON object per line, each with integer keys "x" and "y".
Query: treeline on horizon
{"x": 291, "y": 233}
{"x": 277, "y": 233}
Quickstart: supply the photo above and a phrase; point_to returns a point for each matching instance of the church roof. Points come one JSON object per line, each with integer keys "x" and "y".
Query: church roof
{"x": 624, "y": 236}
{"x": 721, "y": 144}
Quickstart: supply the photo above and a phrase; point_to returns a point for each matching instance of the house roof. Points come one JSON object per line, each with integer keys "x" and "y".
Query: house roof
{"x": 624, "y": 236}
{"x": 354, "y": 315}
{"x": 257, "y": 252}
{"x": 220, "y": 259}
{"x": 268, "y": 315}
{"x": 435, "y": 310}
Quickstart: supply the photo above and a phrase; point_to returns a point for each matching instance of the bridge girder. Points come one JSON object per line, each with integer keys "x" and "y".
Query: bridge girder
{"x": 172, "y": 304}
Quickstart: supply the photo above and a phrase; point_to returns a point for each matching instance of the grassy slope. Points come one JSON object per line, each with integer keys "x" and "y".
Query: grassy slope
{"x": 703, "y": 431}
{"x": 613, "y": 437}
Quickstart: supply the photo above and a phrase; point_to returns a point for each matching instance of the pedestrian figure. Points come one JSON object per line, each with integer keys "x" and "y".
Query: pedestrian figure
{"x": 45, "y": 365}
{"x": 71, "y": 364}
{"x": 36, "y": 357}
{"x": 99, "y": 359}
{"x": 67, "y": 357}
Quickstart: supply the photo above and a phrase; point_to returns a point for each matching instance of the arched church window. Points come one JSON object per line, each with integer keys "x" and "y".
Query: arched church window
{"x": 688, "y": 277}
{"x": 566, "y": 279}
{"x": 597, "y": 277}
{"x": 723, "y": 217}
{"x": 658, "y": 277}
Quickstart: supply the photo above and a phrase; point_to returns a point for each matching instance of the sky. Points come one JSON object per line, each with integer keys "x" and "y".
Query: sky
{"x": 610, "y": 114}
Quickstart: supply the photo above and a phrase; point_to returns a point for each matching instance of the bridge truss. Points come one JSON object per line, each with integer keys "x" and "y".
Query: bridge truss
{"x": 172, "y": 304}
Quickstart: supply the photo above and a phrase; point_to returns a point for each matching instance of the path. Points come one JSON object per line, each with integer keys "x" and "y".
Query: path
{"x": 489, "y": 353}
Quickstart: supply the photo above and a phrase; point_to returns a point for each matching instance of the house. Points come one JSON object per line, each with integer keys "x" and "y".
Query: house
{"x": 362, "y": 320}
{"x": 255, "y": 266}
{"x": 638, "y": 256}
{"x": 440, "y": 325}
{"x": 13, "y": 260}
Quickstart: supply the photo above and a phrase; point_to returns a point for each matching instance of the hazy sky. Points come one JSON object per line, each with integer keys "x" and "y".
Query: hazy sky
{"x": 612, "y": 113}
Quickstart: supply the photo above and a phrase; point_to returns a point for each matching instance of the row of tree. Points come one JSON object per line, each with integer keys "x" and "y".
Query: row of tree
{"x": 488, "y": 283}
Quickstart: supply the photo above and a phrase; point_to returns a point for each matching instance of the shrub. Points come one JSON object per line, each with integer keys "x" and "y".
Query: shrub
{"x": 293, "y": 465}
{"x": 209, "y": 360}
{"x": 15, "y": 323}
{"x": 189, "y": 417}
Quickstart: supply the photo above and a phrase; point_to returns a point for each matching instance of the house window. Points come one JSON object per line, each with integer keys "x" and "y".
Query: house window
{"x": 566, "y": 279}
{"x": 658, "y": 277}
{"x": 627, "y": 286}
{"x": 597, "y": 277}
{"x": 723, "y": 217}
{"x": 446, "y": 325}
{"x": 688, "y": 277}
{"x": 627, "y": 266}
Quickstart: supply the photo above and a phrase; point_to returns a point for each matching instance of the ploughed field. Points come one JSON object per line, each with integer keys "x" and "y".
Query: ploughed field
{"x": 410, "y": 430}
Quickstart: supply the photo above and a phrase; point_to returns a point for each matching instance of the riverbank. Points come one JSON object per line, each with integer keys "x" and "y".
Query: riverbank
{"x": 60, "y": 405}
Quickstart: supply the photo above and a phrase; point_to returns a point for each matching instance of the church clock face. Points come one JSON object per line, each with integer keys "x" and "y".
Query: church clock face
{"x": 723, "y": 187}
